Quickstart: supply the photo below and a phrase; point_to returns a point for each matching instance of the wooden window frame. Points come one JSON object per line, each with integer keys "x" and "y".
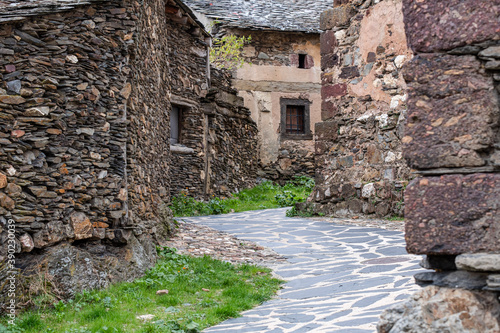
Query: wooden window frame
{"x": 307, "y": 135}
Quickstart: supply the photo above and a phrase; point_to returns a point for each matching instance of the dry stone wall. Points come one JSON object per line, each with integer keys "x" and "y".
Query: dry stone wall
{"x": 188, "y": 57}
{"x": 273, "y": 74}
{"x": 452, "y": 138}
{"x": 81, "y": 133}
{"x": 359, "y": 163}
{"x": 217, "y": 152}
{"x": 232, "y": 138}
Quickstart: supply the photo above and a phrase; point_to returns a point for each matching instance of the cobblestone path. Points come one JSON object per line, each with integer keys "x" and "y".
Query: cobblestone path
{"x": 339, "y": 277}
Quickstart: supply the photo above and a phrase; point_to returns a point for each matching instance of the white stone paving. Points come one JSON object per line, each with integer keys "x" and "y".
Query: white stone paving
{"x": 339, "y": 277}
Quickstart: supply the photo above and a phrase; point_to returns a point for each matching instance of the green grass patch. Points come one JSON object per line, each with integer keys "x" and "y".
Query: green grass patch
{"x": 396, "y": 218}
{"x": 263, "y": 196}
{"x": 202, "y": 293}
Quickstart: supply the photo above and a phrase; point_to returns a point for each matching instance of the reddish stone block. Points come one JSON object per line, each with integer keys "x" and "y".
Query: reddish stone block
{"x": 328, "y": 110}
{"x": 335, "y": 90}
{"x": 453, "y": 214}
{"x": 328, "y": 42}
{"x": 308, "y": 62}
{"x": 326, "y": 130}
{"x": 452, "y": 112}
{"x": 329, "y": 61}
{"x": 443, "y": 25}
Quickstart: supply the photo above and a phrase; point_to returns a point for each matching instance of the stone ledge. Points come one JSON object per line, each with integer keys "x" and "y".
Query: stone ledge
{"x": 176, "y": 149}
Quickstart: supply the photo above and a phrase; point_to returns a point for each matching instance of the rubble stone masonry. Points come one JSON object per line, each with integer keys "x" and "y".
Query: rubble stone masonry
{"x": 452, "y": 138}
{"x": 217, "y": 149}
{"x": 84, "y": 106}
{"x": 359, "y": 163}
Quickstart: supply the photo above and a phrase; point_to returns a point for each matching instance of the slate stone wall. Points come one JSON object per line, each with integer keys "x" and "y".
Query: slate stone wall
{"x": 276, "y": 48}
{"x": 452, "y": 138}
{"x": 232, "y": 138}
{"x": 217, "y": 152}
{"x": 359, "y": 164}
{"x": 188, "y": 55}
{"x": 84, "y": 119}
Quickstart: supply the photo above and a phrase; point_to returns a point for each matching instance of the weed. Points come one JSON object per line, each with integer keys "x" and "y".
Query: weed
{"x": 263, "y": 196}
{"x": 185, "y": 309}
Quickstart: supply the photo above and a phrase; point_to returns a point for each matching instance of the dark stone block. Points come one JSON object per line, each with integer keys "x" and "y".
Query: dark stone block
{"x": 329, "y": 61}
{"x": 328, "y": 110}
{"x": 453, "y": 214}
{"x": 333, "y": 90}
{"x": 371, "y": 57}
{"x": 445, "y": 263}
{"x": 326, "y": 130}
{"x": 454, "y": 279}
{"x": 443, "y": 25}
{"x": 452, "y": 112}
{"x": 349, "y": 72}
{"x": 328, "y": 42}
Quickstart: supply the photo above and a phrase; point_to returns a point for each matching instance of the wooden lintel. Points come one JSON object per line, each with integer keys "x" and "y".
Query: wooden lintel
{"x": 171, "y": 10}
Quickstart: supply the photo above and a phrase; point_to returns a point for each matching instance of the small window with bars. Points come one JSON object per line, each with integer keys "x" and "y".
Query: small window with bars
{"x": 295, "y": 119}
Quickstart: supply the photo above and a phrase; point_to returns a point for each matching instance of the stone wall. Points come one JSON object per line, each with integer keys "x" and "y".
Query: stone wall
{"x": 272, "y": 73}
{"x": 217, "y": 152}
{"x": 232, "y": 138}
{"x": 453, "y": 139}
{"x": 80, "y": 137}
{"x": 187, "y": 54}
{"x": 359, "y": 163}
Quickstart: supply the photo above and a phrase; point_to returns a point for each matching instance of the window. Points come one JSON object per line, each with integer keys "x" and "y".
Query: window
{"x": 302, "y": 60}
{"x": 295, "y": 119}
{"x": 175, "y": 124}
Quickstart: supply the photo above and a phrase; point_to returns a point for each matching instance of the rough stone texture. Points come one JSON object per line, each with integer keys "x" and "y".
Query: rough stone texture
{"x": 217, "y": 130}
{"x": 232, "y": 139}
{"x": 336, "y": 17}
{"x": 436, "y": 310}
{"x": 436, "y": 25}
{"x": 295, "y": 158}
{"x": 453, "y": 114}
{"x": 452, "y": 132}
{"x": 81, "y": 135}
{"x": 275, "y": 74}
{"x": 358, "y": 144}
{"x": 453, "y": 214}
{"x": 453, "y": 279}
{"x": 483, "y": 262}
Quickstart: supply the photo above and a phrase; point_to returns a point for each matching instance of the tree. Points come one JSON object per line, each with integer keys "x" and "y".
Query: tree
{"x": 226, "y": 51}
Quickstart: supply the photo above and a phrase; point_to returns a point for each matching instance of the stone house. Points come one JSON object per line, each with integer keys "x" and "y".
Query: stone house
{"x": 359, "y": 163}
{"x": 281, "y": 80}
{"x": 213, "y": 138}
{"x": 85, "y": 160}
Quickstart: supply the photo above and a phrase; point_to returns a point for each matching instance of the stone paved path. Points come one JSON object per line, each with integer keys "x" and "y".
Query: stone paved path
{"x": 339, "y": 277}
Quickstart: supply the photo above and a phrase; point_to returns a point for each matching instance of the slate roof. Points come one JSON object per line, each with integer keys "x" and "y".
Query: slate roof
{"x": 282, "y": 15}
{"x": 15, "y": 10}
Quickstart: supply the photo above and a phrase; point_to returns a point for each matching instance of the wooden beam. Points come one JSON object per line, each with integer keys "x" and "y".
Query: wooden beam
{"x": 171, "y": 10}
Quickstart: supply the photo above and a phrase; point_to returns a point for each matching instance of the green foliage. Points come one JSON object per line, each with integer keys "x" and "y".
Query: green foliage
{"x": 263, "y": 196}
{"x": 285, "y": 198}
{"x": 226, "y": 51}
{"x": 202, "y": 293}
{"x": 308, "y": 212}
